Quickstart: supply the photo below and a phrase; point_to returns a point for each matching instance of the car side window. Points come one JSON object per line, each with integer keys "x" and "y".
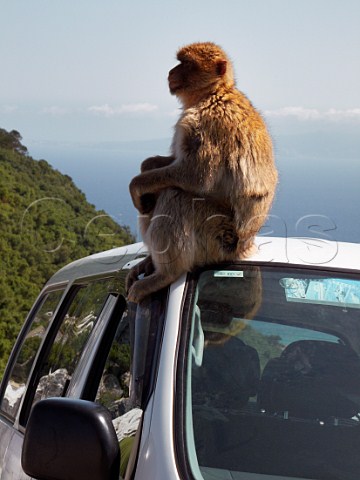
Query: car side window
{"x": 128, "y": 373}
{"x": 126, "y": 377}
{"x": 21, "y": 369}
{"x": 71, "y": 337}
{"x": 113, "y": 390}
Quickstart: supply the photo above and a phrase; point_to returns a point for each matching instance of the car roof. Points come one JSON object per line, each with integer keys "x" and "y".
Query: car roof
{"x": 101, "y": 263}
{"x": 292, "y": 251}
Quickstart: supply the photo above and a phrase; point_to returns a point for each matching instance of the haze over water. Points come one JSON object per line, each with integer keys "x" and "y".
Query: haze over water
{"x": 317, "y": 196}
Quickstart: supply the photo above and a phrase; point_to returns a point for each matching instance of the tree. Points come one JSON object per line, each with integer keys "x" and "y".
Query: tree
{"x": 45, "y": 222}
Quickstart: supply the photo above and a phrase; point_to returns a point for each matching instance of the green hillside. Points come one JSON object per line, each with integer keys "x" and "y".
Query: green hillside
{"x": 45, "y": 222}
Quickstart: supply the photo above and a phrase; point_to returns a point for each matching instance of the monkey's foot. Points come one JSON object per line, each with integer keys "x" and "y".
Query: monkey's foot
{"x": 154, "y": 282}
{"x": 131, "y": 277}
{"x": 145, "y": 267}
{"x": 136, "y": 293}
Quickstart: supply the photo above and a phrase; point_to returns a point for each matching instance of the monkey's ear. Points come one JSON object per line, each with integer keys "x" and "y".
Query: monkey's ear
{"x": 221, "y": 67}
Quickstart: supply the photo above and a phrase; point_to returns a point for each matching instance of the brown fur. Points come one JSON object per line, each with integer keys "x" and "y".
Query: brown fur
{"x": 206, "y": 202}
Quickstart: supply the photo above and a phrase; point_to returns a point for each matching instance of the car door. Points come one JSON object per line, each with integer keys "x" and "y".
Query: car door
{"x": 46, "y": 357}
{"x": 17, "y": 374}
{"x": 96, "y": 347}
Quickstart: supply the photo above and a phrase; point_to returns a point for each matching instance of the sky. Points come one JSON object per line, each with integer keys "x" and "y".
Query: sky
{"x": 89, "y": 71}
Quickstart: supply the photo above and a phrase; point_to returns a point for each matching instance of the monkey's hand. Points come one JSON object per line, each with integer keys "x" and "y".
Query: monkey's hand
{"x": 151, "y": 182}
{"x": 142, "y": 200}
{"x": 147, "y": 201}
{"x": 156, "y": 162}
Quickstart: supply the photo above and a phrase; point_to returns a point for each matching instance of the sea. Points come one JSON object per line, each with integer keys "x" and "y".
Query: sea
{"x": 318, "y": 194}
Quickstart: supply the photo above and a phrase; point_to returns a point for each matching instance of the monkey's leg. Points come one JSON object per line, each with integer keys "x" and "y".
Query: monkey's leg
{"x": 167, "y": 245}
{"x": 172, "y": 240}
{"x": 168, "y": 260}
{"x": 144, "y": 287}
{"x": 145, "y": 266}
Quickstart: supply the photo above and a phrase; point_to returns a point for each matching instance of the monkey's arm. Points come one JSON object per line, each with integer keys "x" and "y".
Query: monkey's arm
{"x": 174, "y": 175}
{"x": 156, "y": 162}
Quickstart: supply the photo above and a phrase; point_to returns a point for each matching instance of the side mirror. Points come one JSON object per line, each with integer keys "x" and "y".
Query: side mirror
{"x": 69, "y": 439}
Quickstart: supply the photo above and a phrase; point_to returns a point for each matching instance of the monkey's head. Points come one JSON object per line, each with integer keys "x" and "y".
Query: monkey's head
{"x": 203, "y": 68}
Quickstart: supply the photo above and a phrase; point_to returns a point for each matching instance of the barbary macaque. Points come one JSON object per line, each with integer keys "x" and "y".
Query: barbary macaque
{"x": 206, "y": 201}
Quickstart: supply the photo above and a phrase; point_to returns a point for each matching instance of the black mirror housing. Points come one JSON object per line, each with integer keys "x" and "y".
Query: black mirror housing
{"x": 70, "y": 439}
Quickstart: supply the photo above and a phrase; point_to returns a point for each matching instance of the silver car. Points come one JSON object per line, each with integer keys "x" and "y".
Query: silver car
{"x": 248, "y": 370}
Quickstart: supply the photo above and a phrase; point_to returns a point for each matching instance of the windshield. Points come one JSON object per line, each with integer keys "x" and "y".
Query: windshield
{"x": 272, "y": 384}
